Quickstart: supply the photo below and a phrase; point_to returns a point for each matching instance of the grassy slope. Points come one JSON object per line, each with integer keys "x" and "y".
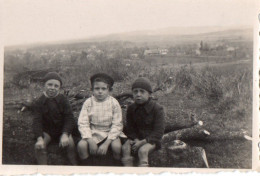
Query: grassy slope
{"x": 220, "y": 153}
{"x": 18, "y": 139}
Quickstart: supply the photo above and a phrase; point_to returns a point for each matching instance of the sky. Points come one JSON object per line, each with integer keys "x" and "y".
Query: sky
{"x": 30, "y": 21}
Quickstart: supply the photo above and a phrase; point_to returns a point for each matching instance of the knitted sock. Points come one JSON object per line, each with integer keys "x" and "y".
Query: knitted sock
{"x": 41, "y": 156}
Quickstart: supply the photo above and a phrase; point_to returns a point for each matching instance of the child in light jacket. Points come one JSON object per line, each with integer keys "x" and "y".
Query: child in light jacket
{"x": 100, "y": 122}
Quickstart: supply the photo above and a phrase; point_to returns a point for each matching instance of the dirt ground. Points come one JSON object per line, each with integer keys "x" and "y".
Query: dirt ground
{"x": 18, "y": 141}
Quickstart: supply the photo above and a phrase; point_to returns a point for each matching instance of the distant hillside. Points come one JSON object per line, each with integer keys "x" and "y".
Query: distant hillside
{"x": 173, "y": 35}
{"x": 165, "y": 36}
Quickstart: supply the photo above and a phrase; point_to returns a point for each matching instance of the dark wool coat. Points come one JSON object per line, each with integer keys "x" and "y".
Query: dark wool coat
{"x": 53, "y": 116}
{"x": 145, "y": 122}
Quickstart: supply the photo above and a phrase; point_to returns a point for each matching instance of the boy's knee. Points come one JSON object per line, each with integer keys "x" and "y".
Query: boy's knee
{"x": 126, "y": 145}
{"x": 82, "y": 145}
{"x": 83, "y": 149}
{"x": 143, "y": 152}
{"x": 116, "y": 146}
{"x": 71, "y": 143}
{"x": 126, "y": 149}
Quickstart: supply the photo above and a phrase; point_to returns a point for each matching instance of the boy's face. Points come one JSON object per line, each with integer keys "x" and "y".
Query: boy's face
{"x": 140, "y": 95}
{"x": 52, "y": 87}
{"x": 100, "y": 90}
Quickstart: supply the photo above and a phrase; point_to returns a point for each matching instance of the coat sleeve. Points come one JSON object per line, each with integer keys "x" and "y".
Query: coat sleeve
{"x": 130, "y": 125}
{"x": 37, "y": 120}
{"x": 83, "y": 122}
{"x": 69, "y": 121}
{"x": 117, "y": 124}
{"x": 158, "y": 126}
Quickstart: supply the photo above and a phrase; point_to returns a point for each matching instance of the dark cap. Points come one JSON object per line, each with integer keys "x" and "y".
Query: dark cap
{"x": 143, "y": 83}
{"x": 109, "y": 80}
{"x": 52, "y": 75}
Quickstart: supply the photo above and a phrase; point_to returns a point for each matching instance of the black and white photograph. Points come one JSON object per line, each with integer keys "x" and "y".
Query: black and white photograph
{"x": 129, "y": 84}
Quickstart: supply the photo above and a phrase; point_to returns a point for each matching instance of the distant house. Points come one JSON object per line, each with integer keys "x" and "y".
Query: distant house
{"x": 155, "y": 52}
{"x": 134, "y": 56}
{"x": 197, "y": 52}
{"x": 91, "y": 56}
{"x": 163, "y": 51}
{"x": 230, "y": 49}
{"x": 151, "y": 52}
{"x": 99, "y": 51}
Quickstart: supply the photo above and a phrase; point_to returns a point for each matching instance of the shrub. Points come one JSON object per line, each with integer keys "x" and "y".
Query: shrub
{"x": 207, "y": 84}
{"x": 183, "y": 78}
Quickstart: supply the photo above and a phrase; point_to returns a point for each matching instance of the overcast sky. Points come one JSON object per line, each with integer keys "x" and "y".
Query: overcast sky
{"x": 28, "y": 21}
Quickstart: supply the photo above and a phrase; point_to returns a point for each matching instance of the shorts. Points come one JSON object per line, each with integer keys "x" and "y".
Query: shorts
{"x": 122, "y": 140}
{"x": 55, "y": 137}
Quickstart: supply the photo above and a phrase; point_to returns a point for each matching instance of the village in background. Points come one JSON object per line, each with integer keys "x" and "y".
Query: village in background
{"x": 220, "y": 46}
{"x": 202, "y": 71}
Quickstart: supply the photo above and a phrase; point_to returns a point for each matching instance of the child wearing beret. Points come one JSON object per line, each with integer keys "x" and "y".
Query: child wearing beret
{"x": 53, "y": 120}
{"x": 144, "y": 124}
{"x": 100, "y": 122}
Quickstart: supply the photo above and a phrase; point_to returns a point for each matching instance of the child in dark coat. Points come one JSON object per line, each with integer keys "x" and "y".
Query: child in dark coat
{"x": 144, "y": 124}
{"x": 53, "y": 120}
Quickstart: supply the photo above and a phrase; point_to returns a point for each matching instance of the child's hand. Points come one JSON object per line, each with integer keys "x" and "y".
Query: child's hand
{"x": 92, "y": 147}
{"x": 137, "y": 145}
{"x": 64, "y": 140}
{"x": 131, "y": 142}
{"x": 102, "y": 150}
{"x": 40, "y": 144}
{"x": 136, "y": 140}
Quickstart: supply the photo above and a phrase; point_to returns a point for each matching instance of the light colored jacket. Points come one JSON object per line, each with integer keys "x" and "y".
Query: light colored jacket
{"x": 101, "y": 120}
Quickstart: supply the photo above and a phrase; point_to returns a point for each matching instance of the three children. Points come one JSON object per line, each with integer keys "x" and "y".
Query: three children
{"x": 100, "y": 122}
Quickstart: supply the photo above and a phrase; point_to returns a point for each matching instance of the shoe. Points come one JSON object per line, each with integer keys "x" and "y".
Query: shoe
{"x": 143, "y": 164}
{"x": 86, "y": 162}
{"x": 128, "y": 161}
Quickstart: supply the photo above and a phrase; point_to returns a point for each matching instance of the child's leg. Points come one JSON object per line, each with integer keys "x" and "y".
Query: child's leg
{"x": 41, "y": 154}
{"x": 83, "y": 153}
{"x": 83, "y": 149}
{"x": 116, "y": 148}
{"x": 127, "y": 159}
{"x": 71, "y": 151}
{"x": 143, "y": 153}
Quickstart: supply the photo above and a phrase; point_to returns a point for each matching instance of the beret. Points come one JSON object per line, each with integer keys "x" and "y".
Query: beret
{"x": 105, "y": 76}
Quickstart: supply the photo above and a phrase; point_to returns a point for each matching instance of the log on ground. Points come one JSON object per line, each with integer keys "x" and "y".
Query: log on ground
{"x": 178, "y": 154}
{"x": 195, "y": 132}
